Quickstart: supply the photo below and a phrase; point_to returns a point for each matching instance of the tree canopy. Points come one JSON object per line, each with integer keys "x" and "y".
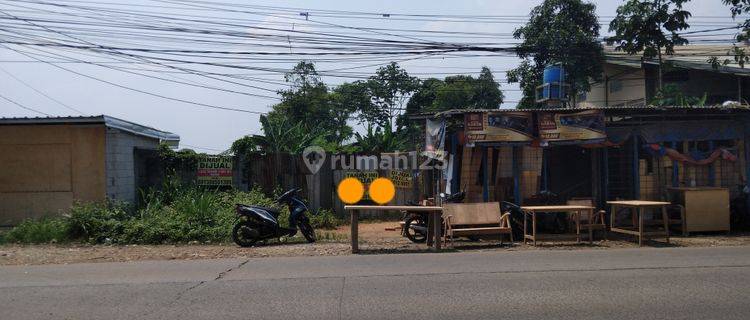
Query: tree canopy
{"x": 561, "y": 32}
{"x": 310, "y": 112}
{"x": 457, "y": 92}
{"x": 650, "y": 28}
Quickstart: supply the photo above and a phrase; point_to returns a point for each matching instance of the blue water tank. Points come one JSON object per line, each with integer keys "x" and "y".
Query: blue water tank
{"x": 553, "y": 90}
{"x": 553, "y": 74}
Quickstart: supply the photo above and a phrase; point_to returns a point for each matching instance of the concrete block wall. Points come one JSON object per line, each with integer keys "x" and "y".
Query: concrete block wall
{"x": 120, "y": 163}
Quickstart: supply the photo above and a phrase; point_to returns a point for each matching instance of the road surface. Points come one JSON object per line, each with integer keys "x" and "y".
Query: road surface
{"x": 648, "y": 283}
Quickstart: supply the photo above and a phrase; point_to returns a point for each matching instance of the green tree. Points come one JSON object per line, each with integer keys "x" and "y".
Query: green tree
{"x": 309, "y": 101}
{"x": 457, "y": 92}
{"x": 381, "y": 139}
{"x": 741, "y": 57}
{"x": 487, "y": 93}
{"x": 558, "y": 32}
{"x": 528, "y": 78}
{"x": 740, "y": 7}
{"x": 424, "y": 96}
{"x": 389, "y": 88}
{"x": 279, "y": 136}
{"x": 649, "y": 27}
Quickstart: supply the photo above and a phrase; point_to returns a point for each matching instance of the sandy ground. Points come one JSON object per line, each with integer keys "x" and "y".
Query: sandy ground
{"x": 380, "y": 237}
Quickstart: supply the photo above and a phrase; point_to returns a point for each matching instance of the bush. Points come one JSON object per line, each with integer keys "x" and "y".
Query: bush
{"x": 97, "y": 222}
{"x": 44, "y": 230}
{"x": 175, "y": 214}
{"x": 325, "y": 219}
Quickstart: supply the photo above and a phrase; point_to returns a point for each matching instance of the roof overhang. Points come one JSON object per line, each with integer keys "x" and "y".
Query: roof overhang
{"x": 169, "y": 138}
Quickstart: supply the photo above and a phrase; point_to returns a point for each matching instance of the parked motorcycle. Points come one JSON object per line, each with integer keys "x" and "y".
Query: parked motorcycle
{"x": 255, "y": 223}
{"x": 415, "y": 223}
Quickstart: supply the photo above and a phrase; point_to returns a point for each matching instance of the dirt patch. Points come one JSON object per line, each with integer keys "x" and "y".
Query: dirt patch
{"x": 380, "y": 237}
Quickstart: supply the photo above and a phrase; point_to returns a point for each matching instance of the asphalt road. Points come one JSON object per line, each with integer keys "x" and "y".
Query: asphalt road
{"x": 649, "y": 283}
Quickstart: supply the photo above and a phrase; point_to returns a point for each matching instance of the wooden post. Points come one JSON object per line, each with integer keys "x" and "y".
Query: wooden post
{"x": 430, "y": 229}
{"x": 578, "y": 226}
{"x": 639, "y": 210}
{"x": 711, "y": 167}
{"x": 485, "y": 176}
{"x": 675, "y": 169}
{"x": 636, "y": 169}
{"x": 591, "y": 232}
{"x": 355, "y": 231}
{"x": 525, "y": 226}
{"x": 517, "y": 174}
{"x": 605, "y": 191}
{"x": 665, "y": 216}
{"x": 436, "y": 230}
{"x": 533, "y": 226}
{"x": 454, "y": 179}
{"x": 545, "y": 169}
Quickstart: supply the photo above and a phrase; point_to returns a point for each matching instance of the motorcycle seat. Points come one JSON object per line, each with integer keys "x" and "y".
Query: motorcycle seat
{"x": 273, "y": 211}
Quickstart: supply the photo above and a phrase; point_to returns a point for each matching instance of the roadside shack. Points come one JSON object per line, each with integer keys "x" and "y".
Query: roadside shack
{"x": 533, "y": 156}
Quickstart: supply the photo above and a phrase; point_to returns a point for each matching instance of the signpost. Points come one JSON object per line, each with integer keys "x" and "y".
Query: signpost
{"x": 580, "y": 126}
{"x": 214, "y": 171}
{"x": 499, "y": 127}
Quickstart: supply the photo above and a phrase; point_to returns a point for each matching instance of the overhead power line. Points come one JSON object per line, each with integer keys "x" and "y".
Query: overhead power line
{"x": 40, "y": 92}
{"x": 23, "y": 106}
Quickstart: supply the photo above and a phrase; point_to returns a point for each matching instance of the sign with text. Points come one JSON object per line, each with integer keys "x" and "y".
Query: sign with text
{"x": 499, "y": 127}
{"x": 585, "y": 125}
{"x": 214, "y": 171}
{"x": 366, "y": 177}
{"x": 400, "y": 178}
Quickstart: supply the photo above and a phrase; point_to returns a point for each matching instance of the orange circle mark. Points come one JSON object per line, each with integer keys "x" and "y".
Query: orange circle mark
{"x": 382, "y": 190}
{"x": 350, "y": 190}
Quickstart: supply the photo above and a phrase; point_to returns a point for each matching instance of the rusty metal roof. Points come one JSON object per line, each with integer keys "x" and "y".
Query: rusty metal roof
{"x": 111, "y": 122}
{"x": 732, "y": 107}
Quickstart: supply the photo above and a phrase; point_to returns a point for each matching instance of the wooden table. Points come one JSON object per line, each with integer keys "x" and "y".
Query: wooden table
{"x": 533, "y": 210}
{"x": 432, "y": 237}
{"x": 636, "y": 207}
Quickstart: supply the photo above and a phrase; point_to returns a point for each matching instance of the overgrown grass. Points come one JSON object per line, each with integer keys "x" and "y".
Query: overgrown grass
{"x": 176, "y": 214}
{"x": 44, "y": 230}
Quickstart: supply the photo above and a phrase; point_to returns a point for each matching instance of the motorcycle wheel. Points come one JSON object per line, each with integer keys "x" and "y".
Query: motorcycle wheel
{"x": 307, "y": 230}
{"x": 414, "y": 235}
{"x": 245, "y": 235}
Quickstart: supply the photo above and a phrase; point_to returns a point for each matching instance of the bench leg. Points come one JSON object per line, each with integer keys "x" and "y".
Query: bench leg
{"x": 639, "y": 211}
{"x": 355, "y": 231}
{"x": 436, "y": 232}
{"x": 665, "y": 216}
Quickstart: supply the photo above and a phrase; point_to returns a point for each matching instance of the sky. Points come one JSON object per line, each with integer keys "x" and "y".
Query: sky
{"x": 51, "y": 90}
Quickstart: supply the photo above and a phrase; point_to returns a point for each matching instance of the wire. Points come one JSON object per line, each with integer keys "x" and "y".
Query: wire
{"x": 23, "y": 107}
{"x": 143, "y": 91}
{"x": 40, "y": 92}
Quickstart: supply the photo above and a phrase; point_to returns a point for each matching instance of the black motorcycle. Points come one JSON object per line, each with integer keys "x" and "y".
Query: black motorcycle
{"x": 415, "y": 223}
{"x": 257, "y": 223}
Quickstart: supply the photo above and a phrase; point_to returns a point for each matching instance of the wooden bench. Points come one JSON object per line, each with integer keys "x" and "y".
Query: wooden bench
{"x": 475, "y": 219}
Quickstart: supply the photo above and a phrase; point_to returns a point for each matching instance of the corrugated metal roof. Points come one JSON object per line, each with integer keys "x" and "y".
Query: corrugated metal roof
{"x": 688, "y": 57}
{"x": 620, "y": 109}
{"x": 109, "y": 121}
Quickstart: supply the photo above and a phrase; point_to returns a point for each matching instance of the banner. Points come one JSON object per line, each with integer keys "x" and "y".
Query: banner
{"x": 435, "y": 139}
{"x": 498, "y": 127}
{"x": 400, "y": 178}
{"x": 586, "y": 125}
{"x": 214, "y": 171}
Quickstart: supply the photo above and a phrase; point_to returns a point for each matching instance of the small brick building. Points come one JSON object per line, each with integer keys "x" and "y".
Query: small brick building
{"x": 48, "y": 163}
